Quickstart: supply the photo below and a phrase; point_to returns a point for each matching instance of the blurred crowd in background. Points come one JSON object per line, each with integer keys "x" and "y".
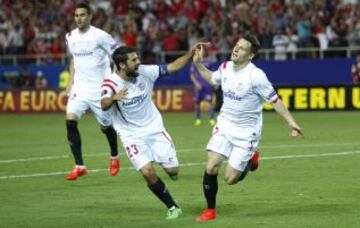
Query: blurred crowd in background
{"x": 38, "y": 27}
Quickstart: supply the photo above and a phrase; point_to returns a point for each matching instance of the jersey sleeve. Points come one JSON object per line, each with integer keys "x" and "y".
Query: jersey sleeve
{"x": 67, "y": 36}
{"x": 216, "y": 75}
{"x": 262, "y": 86}
{"x": 108, "y": 88}
{"x": 150, "y": 71}
{"x": 108, "y": 43}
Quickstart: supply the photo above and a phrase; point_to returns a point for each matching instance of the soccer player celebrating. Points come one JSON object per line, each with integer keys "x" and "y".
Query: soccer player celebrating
{"x": 127, "y": 93}
{"x": 90, "y": 48}
{"x": 238, "y": 130}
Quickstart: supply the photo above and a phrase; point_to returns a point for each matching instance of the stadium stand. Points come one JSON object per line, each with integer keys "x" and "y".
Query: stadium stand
{"x": 32, "y": 32}
{"x": 38, "y": 27}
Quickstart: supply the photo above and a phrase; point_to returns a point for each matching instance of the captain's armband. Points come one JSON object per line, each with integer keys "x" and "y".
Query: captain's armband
{"x": 163, "y": 70}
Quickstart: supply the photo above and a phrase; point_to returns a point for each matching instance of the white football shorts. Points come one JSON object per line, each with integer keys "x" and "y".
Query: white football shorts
{"x": 238, "y": 156}
{"x": 157, "y": 148}
{"x": 79, "y": 106}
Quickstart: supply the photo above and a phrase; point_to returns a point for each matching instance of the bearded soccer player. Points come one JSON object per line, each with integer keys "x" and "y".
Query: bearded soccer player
{"x": 237, "y": 133}
{"x": 90, "y": 48}
{"x": 127, "y": 93}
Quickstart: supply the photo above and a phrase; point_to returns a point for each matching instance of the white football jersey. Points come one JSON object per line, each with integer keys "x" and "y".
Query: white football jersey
{"x": 244, "y": 92}
{"x": 136, "y": 115}
{"x": 90, "y": 52}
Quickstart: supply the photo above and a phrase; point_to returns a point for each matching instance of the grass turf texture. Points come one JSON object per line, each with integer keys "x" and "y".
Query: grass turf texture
{"x": 321, "y": 190}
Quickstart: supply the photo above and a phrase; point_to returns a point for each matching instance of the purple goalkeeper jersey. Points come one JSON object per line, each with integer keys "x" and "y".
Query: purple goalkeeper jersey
{"x": 198, "y": 77}
{"x": 206, "y": 91}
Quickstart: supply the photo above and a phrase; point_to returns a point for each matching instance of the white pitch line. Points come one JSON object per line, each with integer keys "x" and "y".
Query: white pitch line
{"x": 344, "y": 153}
{"x": 34, "y": 159}
{"x": 180, "y": 150}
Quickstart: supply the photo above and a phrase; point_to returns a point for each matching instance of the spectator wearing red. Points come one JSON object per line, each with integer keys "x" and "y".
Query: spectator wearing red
{"x": 355, "y": 70}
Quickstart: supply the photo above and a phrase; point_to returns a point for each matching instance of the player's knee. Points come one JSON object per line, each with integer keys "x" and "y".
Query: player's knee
{"x": 149, "y": 174}
{"x": 172, "y": 171}
{"x": 230, "y": 180}
{"x": 212, "y": 169}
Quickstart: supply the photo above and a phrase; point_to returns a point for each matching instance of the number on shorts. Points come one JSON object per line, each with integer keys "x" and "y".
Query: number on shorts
{"x": 131, "y": 150}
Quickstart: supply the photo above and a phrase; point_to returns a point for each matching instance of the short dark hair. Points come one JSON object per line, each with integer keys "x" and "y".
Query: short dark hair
{"x": 255, "y": 43}
{"x": 83, "y": 5}
{"x": 120, "y": 55}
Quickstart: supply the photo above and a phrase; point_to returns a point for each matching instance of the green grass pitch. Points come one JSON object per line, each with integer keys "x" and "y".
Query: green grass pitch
{"x": 301, "y": 182}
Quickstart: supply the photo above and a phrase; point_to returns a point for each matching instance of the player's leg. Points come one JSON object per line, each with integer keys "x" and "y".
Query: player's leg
{"x": 111, "y": 137}
{"x": 74, "y": 110}
{"x": 211, "y": 110}
{"x": 104, "y": 119}
{"x": 159, "y": 189}
{"x": 241, "y": 161}
{"x": 255, "y": 160}
{"x": 210, "y": 185}
{"x": 115, "y": 162}
{"x": 197, "y": 100}
{"x": 164, "y": 153}
{"x": 219, "y": 149}
{"x": 140, "y": 155}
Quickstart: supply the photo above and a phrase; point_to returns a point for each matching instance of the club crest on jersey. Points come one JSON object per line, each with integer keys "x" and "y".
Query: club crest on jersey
{"x": 239, "y": 86}
{"x": 141, "y": 86}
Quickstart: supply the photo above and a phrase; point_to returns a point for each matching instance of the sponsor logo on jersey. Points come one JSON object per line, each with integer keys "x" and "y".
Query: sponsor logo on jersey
{"x": 232, "y": 95}
{"x": 83, "y": 53}
{"x": 135, "y": 100}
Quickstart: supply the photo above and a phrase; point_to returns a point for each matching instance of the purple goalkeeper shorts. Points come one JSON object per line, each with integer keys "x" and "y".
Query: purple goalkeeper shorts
{"x": 205, "y": 94}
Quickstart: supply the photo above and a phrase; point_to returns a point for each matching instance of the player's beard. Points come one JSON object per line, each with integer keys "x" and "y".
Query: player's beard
{"x": 132, "y": 73}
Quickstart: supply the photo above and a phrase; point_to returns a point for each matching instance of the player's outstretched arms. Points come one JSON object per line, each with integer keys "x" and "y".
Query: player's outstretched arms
{"x": 197, "y": 59}
{"x": 181, "y": 62}
{"x": 280, "y": 108}
{"x": 107, "y": 102}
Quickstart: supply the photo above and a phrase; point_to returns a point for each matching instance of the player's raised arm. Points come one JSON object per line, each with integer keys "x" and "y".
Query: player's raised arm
{"x": 280, "y": 108}
{"x": 181, "y": 62}
{"x": 197, "y": 59}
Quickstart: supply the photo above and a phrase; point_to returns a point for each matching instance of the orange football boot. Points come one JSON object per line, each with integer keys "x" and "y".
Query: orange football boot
{"x": 75, "y": 173}
{"x": 114, "y": 166}
{"x": 207, "y": 215}
{"x": 255, "y": 161}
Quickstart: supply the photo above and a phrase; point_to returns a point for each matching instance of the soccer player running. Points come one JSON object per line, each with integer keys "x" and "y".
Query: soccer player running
{"x": 203, "y": 91}
{"x": 238, "y": 130}
{"x": 90, "y": 48}
{"x": 127, "y": 93}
